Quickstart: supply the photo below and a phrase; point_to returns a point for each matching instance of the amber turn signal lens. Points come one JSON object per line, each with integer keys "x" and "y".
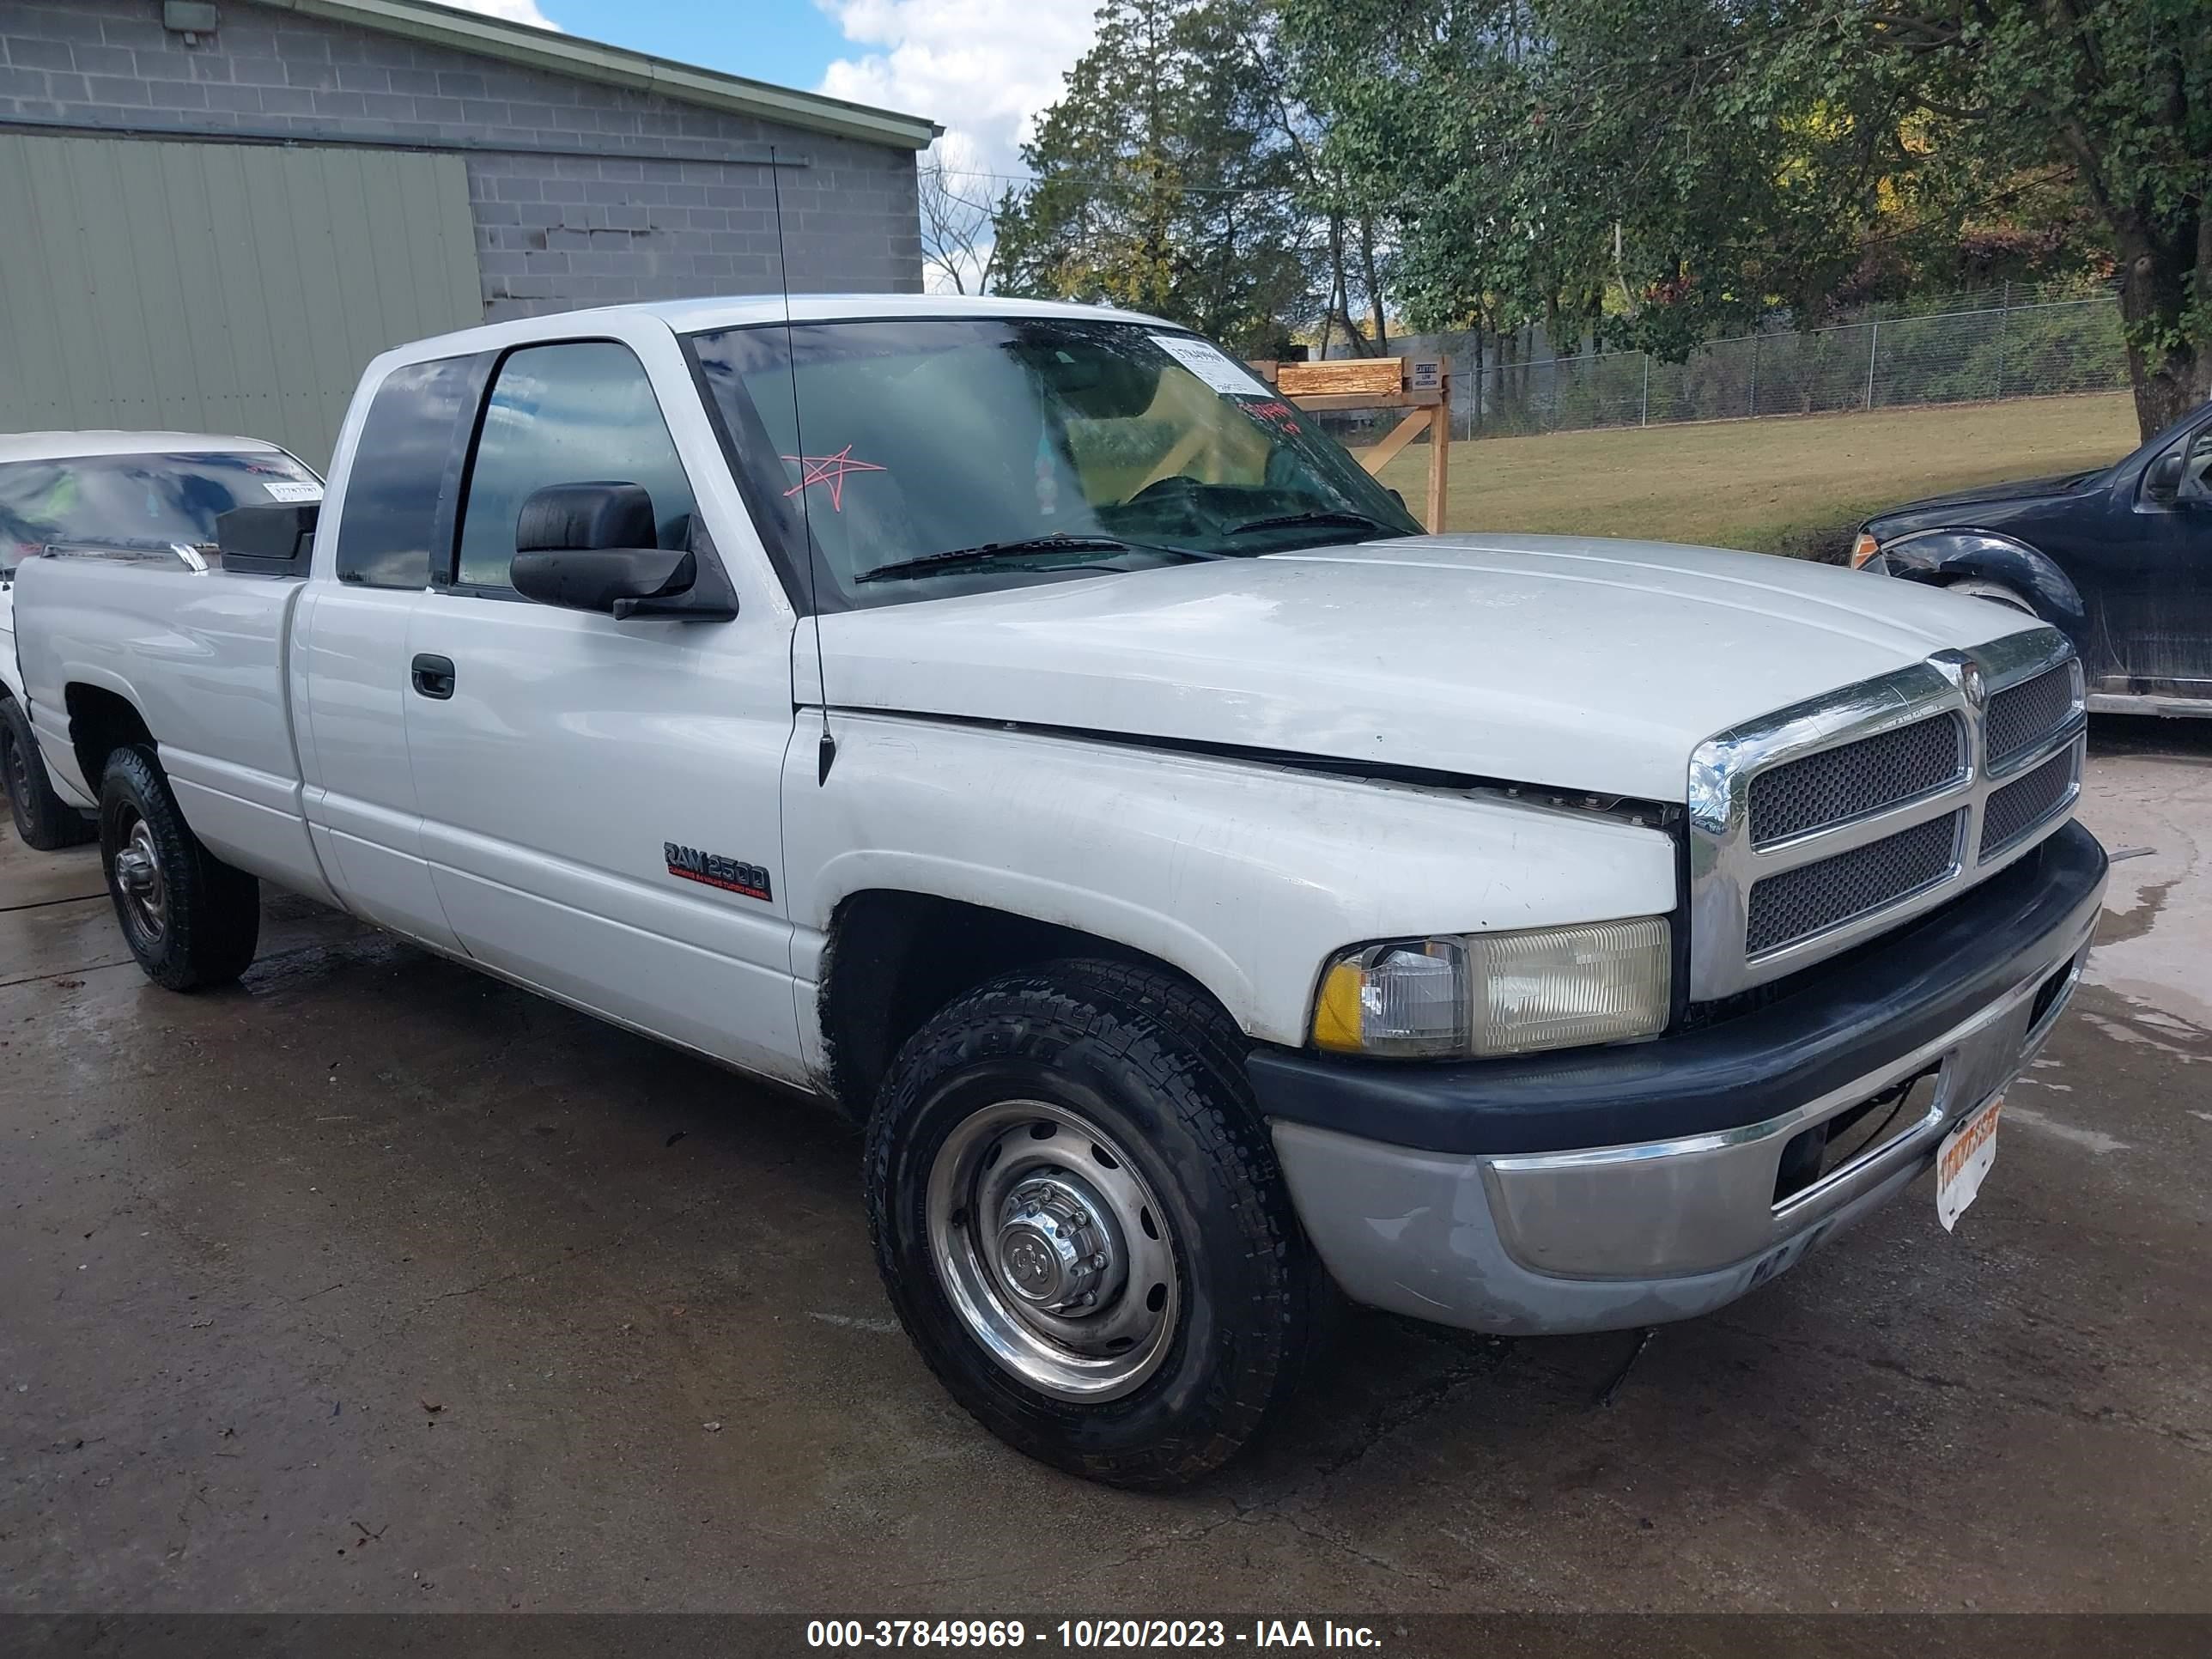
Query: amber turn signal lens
{"x": 1864, "y": 547}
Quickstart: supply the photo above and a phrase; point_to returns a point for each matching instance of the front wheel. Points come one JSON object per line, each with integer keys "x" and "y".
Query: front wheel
{"x": 1079, "y": 1219}
{"x": 189, "y": 919}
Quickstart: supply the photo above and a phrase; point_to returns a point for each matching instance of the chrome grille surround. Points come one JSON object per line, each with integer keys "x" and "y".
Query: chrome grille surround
{"x": 1726, "y": 863}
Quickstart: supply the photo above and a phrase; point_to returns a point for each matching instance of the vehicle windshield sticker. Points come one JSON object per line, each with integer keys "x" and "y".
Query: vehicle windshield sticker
{"x": 1212, "y": 365}
{"x": 830, "y": 469}
{"x": 282, "y": 490}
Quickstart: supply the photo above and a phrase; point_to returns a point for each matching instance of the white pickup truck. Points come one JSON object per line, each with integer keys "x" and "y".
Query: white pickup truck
{"x": 1013, "y": 724}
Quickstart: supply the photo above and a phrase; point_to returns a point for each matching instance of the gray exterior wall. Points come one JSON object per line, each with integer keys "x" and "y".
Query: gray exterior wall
{"x": 581, "y": 193}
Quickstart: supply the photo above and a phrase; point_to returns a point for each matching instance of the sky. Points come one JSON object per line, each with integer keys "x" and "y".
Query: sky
{"x": 981, "y": 69}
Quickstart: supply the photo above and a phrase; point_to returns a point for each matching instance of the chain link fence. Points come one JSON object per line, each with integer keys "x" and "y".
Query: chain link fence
{"x": 1968, "y": 349}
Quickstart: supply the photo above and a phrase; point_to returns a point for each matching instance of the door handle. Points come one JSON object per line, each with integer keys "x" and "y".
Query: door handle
{"x": 434, "y": 676}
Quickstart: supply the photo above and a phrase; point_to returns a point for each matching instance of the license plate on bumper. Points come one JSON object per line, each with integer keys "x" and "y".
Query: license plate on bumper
{"x": 1964, "y": 1158}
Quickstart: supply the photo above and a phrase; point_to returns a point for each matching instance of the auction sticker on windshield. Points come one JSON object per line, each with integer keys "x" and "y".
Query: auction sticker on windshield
{"x": 1212, "y": 365}
{"x": 280, "y": 490}
{"x": 1963, "y": 1159}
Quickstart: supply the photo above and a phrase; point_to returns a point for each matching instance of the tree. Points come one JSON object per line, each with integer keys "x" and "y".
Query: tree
{"x": 1600, "y": 166}
{"x": 958, "y": 231}
{"x": 1663, "y": 170}
{"x": 2116, "y": 97}
{"x": 1163, "y": 181}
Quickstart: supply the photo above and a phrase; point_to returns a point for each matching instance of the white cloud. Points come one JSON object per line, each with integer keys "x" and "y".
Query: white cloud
{"x": 982, "y": 68}
{"x": 511, "y": 11}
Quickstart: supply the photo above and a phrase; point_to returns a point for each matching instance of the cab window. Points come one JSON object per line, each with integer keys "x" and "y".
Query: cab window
{"x": 580, "y": 412}
{"x": 389, "y": 521}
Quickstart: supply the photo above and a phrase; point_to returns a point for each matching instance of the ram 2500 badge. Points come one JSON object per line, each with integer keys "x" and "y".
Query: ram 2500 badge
{"x": 1010, "y": 723}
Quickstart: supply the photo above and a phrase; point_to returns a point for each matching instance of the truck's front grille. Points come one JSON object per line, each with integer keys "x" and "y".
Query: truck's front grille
{"x": 2023, "y": 715}
{"x": 1821, "y": 825}
{"x": 1811, "y": 898}
{"x": 1835, "y": 785}
{"x": 2020, "y": 806}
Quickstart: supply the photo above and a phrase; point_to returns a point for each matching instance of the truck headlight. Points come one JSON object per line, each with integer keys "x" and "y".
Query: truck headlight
{"x": 1498, "y": 994}
{"x": 1863, "y": 547}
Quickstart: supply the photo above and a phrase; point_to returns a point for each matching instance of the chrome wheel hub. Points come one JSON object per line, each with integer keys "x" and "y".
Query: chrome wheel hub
{"x": 139, "y": 882}
{"x": 1052, "y": 1250}
{"x": 1056, "y": 1247}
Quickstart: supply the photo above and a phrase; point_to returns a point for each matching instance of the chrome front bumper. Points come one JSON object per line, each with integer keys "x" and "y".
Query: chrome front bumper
{"x": 1617, "y": 1236}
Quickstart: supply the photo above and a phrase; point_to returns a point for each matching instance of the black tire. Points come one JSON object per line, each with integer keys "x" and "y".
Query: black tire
{"x": 43, "y": 819}
{"x": 198, "y": 920}
{"x": 1158, "y": 1068}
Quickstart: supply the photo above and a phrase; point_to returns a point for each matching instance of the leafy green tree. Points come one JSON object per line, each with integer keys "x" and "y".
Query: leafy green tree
{"x": 1664, "y": 170}
{"x": 2114, "y": 96}
{"x": 1164, "y": 180}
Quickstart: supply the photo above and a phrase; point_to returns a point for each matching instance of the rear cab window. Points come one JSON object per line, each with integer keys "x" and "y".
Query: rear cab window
{"x": 398, "y": 501}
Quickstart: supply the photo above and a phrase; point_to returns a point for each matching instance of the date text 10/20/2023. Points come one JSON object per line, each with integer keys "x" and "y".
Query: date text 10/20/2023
{"x": 1088, "y": 1633}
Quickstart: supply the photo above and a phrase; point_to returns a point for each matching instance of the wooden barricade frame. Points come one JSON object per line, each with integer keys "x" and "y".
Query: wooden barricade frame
{"x": 1419, "y": 385}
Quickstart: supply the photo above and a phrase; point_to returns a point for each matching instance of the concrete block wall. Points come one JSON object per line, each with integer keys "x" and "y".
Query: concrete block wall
{"x": 582, "y": 193}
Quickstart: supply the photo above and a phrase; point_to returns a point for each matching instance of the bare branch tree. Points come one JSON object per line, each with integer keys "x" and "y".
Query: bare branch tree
{"x": 959, "y": 230}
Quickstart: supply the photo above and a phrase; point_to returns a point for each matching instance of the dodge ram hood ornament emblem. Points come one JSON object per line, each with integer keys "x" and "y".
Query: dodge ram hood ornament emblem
{"x": 1963, "y": 671}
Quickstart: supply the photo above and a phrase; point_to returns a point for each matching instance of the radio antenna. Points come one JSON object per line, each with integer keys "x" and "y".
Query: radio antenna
{"x": 826, "y": 750}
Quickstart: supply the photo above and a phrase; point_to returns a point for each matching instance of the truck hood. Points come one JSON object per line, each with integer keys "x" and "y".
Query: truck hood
{"x": 1579, "y": 663}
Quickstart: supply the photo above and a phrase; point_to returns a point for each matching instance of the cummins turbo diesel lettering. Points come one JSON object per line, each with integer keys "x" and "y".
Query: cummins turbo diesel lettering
{"x": 1224, "y": 890}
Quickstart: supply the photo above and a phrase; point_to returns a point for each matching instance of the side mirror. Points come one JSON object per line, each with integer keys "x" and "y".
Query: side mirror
{"x": 276, "y": 539}
{"x": 2162, "y": 482}
{"x": 590, "y": 547}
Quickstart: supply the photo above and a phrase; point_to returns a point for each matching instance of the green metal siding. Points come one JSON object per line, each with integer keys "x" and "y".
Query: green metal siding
{"x": 219, "y": 288}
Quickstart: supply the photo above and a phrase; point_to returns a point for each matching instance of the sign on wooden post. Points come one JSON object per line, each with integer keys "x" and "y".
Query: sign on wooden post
{"x": 1419, "y": 385}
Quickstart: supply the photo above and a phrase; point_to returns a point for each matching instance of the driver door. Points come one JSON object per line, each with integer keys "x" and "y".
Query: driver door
{"x": 584, "y": 781}
{"x": 2161, "y": 627}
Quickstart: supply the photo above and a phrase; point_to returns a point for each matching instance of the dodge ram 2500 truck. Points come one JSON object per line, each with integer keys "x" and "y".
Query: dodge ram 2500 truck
{"x": 1015, "y": 725}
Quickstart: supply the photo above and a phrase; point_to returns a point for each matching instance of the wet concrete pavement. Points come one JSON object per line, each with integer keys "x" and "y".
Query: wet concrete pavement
{"x": 375, "y": 1285}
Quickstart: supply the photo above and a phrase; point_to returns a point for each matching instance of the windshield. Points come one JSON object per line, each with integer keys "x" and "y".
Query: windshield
{"x": 926, "y": 438}
{"x": 131, "y": 499}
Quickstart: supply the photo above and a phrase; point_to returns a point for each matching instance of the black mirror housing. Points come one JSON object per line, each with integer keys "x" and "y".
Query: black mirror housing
{"x": 607, "y": 579}
{"x": 579, "y": 516}
{"x": 592, "y": 547}
{"x": 2162, "y": 480}
{"x": 274, "y": 539}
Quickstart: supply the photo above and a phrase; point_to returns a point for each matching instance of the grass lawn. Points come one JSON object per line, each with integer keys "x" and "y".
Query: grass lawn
{"x": 1794, "y": 485}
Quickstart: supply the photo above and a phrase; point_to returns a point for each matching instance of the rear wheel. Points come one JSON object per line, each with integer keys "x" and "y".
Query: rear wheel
{"x": 189, "y": 919}
{"x": 1079, "y": 1219}
{"x": 42, "y": 818}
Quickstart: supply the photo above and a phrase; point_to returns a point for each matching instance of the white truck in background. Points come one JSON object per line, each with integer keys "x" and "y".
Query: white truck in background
{"x": 145, "y": 494}
{"x": 1013, "y": 724}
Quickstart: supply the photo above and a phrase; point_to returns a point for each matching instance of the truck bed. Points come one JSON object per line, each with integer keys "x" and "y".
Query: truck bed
{"x": 202, "y": 656}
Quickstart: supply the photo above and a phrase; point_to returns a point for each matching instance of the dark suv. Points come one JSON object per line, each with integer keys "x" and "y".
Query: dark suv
{"x": 2120, "y": 559}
